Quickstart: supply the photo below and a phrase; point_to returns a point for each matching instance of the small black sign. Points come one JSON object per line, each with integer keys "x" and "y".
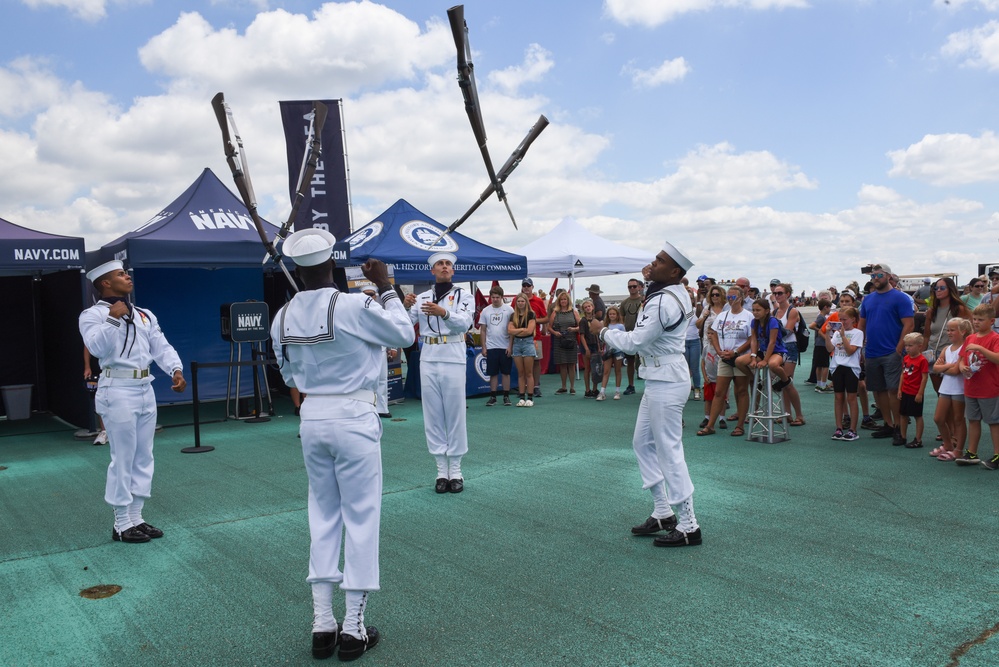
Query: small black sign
{"x": 246, "y": 322}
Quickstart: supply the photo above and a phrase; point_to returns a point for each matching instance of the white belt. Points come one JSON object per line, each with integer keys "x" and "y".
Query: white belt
{"x": 363, "y": 395}
{"x": 130, "y": 374}
{"x": 441, "y": 340}
{"x": 654, "y": 360}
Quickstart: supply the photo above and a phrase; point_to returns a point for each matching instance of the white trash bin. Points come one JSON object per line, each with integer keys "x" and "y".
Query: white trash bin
{"x": 17, "y": 400}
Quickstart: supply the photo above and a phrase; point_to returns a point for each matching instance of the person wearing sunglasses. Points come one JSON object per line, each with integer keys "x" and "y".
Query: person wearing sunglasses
{"x": 729, "y": 335}
{"x": 944, "y": 305}
{"x": 886, "y": 317}
{"x": 974, "y": 298}
{"x": 630, "y": 309}
{"x": 789, "y": 317}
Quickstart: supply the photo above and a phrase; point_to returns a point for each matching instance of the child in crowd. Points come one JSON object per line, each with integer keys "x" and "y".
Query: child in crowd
{"x": 978, "y": 365}
{"x": 820, "y": 355}
{"x": 612, "y": 358}
{"x": 915, "y": 372}
{"x": 766, "y": 346}
{"x": 522, "y": 326}
{"x": 843, "y": 343}
{"x": 848, "y": 299}
{"x": 949, "y": 415}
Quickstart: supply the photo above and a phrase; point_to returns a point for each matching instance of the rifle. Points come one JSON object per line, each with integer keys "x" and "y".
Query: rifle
{"x": 310, "y": 160}
{"x": 466, "y": 81}
{"x": 512, "y": 163}
{"x": 236, "y": 157}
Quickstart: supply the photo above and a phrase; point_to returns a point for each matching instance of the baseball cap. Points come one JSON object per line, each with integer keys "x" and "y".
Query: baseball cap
{"x": 883, "y": 268}
{"x": 527, "y": 281}
{"x": 775, "y": 281}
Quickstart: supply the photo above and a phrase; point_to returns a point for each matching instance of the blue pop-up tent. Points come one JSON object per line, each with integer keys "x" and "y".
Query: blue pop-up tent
{"x": 201, "y": 251}
{"x": 43, "y": 287}
{"x": 401, "y": 236}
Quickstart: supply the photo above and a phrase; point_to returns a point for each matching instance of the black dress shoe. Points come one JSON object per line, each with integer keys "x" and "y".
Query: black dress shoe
{"x": 324, "y": 643}
{"x": 653, "y": 525}
{"x": 678, "y": 538}
{"x": 441, "y": 485}
{"x": 352, "y": 648}
{"x": 132, "y": 534}
{"x": 456, "y": 485}
{"x": 151, "y": 531}
{"x": 385, "y": 415}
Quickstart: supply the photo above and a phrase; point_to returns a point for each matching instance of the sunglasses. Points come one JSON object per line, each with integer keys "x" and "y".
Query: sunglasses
{"x": 732, "y": 297}
{"x": 779, "y": 293}
{"x": 977, "y": 285}
{"x": 940, "y": 288}
{"x": 632, "y": 286}
{"x": 878, "y": 275}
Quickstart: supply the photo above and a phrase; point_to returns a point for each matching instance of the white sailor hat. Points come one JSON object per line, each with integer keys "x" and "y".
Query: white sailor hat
{"x": 309, "y": 247}
{"x": 106, "y": 267}
{"x": 678, "y": 257}
{"x": 438, "y": 256}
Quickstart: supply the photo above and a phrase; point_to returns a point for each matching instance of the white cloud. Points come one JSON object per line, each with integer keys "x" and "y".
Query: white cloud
{"x": 976, "y": 47}
{"x": 537, "y": 63}
{"x": 26, "y": 85}
{"x": 88, "y": 10}
{"x": 953, "y": 5}
{"x": 651, "y": 13}
{"x": 670, "y": 71}
{"x": 949, "y": 159}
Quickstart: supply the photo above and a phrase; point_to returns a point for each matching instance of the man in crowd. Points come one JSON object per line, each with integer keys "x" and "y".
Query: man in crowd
{"x": 630, "y": 309}
{"x": 127, "y": 339}
{"x": 330, "y": 346}
{"x": 885, "y": 317}
{"x": 599, "y": 309}
{"x": 445, "y": 312}
{"x": 658, "y": 338}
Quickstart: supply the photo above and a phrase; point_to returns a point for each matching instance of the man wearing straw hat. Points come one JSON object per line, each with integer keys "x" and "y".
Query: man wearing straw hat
{"x": 127, "y": 339}
{"x": 444, "y": 313}
{"x": 329, "y": 345}
{"x": 658, "y": 338}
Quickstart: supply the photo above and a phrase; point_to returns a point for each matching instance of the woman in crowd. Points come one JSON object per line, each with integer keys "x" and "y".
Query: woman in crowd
{"x": 692, "y": 351}
{"x": 715, "y": 305}
{"x": 564, "y": 325}
{"x": 521, "y": 327}
{"x": 976, "y": 291}
{"x": 944, "y": 305}
{"x": 729, "y": 335}
{"x": 789, "y": 317}
{"x": 589, "y": 347}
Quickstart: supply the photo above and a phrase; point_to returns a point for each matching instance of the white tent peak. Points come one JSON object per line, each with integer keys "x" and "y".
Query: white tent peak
{"x": 570, "y": 249}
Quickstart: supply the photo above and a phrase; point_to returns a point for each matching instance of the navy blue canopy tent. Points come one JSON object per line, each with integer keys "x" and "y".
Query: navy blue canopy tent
{"x": 201, "y": 251}
{"x": 401, "y": 236}
{"x": 43, "y": 286}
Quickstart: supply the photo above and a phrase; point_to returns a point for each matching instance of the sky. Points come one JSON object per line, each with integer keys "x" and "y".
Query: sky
{"x": 768, "y": 138}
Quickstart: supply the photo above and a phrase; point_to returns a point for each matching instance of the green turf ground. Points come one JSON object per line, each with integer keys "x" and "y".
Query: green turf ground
{"x": 815, "y": 552}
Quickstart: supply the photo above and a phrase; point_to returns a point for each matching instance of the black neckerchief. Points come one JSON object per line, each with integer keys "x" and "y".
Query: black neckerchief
{"x": 129, "y": 320}
{"x": 441, "y": 289}
{"x": 652, "y": 289}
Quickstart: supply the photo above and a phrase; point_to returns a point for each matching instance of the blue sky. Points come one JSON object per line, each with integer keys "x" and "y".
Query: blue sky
{"x": 765, "y": 137}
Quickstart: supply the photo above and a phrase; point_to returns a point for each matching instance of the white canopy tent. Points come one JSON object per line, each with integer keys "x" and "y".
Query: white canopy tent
{"x": 570, "y": 250}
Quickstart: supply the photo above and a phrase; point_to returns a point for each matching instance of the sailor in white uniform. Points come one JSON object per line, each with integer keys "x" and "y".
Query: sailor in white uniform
{"x": 658, "y": 338}
{"x": 329, "y": 346}
{"x": 444, "y": 312}
{"x": 127, "y": 339}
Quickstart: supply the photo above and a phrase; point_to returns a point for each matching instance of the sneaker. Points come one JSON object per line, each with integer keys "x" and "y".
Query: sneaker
{"x": 506, "y": 401}
{"x": 883, "y": 431}
{"x": 845, "y": 424}
{"x": 877, "y": 413}
{"x": 617, "y": 396}
{"x": 528, "y": 403}
{"x": 969, "y": 458}
{"x": 601, "y": 396}
{"x": 537, "y": 392}
{"x": 850, "y": 436}
{"x": 869, "y": 424}
{"x": 722, "y": 423}
{"x": 559, "y": 392}
{"x": 630, "y": 389}
{"x": 837, "y": 434}
{"x": 521, "y": 403}
{"x": 491, "y": 402}
{"x": 897, "y": 440}
{"x": 992, "y": 463}
{"x": 102, "y": 438}
{"x": 704, "y": 422}
{"x": 697, "y": 392}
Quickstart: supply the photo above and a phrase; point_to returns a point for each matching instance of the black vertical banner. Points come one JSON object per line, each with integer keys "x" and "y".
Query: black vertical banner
{"x": 326, "y": 203}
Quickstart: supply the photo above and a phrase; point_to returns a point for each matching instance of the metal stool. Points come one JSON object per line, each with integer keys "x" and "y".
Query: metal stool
{"x": 766, "y": 410}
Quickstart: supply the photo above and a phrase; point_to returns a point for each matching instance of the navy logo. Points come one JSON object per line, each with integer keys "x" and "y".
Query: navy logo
{"x": 420, "y": 234}
{"x": 364, "y": 235}
{"x": 480, "y": 367}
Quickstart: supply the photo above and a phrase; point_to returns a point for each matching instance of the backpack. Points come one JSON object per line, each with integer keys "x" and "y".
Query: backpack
{"x": 801, "y": 334}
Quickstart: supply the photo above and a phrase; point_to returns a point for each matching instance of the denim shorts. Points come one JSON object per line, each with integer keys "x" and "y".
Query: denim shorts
{"x": 792, "y": 356}
{"x": 523, "y": 347}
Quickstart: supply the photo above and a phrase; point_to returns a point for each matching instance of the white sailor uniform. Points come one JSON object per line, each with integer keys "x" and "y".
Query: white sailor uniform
{"x": 658, "y": 338}
{"x": 443, "y": 360}
{"x": 329, "y": 346}
{"x": 125, "y": 400}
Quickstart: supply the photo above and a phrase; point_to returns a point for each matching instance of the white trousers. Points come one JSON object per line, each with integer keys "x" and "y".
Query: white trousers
{"x": 381, "y": 397}
{"x": 443, "y": 395}
{"x": 129, "y": 414}
{"x": 658, "y": 440}
{"x": 344, "y": 463}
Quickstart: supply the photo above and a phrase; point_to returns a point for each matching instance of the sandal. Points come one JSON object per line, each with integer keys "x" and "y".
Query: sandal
{"x": 939, "y": 438}
{"x": 798, "y": 421}
{"x": 737, "y": 431}
{"x": 947, "y": 456}
{"x": 706, "y": 431}
{"x": 938, "y": 451}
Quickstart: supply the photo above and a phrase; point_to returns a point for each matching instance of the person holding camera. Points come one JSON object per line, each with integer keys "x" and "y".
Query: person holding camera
{"x": 729, "y": 335}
